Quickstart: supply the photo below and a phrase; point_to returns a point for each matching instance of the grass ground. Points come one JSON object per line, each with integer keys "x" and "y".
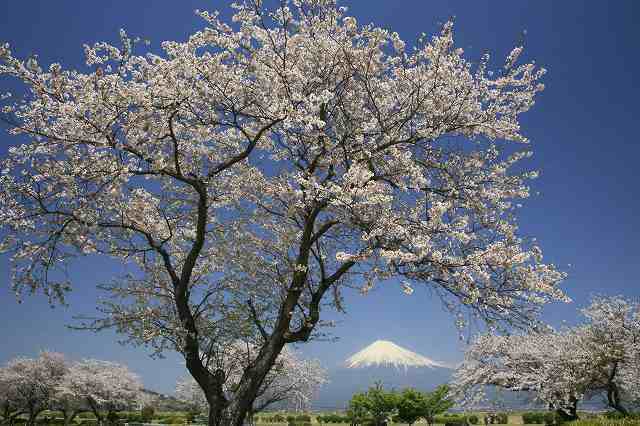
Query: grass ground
{"x": 178, "y": 417}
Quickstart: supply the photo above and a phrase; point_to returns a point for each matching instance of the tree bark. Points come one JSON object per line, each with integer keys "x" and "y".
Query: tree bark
{"x": 94, "y": 409}
{"x": 252, "y": 380}
{"x": 569, "y": 413}
{"x": 33, "y": 414}
{"x": 613, "y": 394}
{"x": 613, "y": 399}
{"x": 69, "y": 415}
{"x": 215, "y": 415}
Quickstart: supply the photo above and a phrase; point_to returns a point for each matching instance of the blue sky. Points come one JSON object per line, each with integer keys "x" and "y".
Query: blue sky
{"x": 583, "y": 131}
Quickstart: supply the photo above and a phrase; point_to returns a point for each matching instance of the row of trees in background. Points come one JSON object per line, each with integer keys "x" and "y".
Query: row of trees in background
{"x": 600, "y": 357}
{"x": 28, "y": 386}
{"x": 377, "y": 405}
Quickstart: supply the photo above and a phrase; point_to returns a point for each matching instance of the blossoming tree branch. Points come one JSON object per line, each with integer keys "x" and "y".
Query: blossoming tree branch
{"x": 248, "y": 176}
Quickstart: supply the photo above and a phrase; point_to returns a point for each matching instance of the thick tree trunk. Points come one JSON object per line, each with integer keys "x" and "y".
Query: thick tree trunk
{"x": 252, "y": 380}
{"x": 211, "y": 385}
{"x": 216, "y": 416}
{"x": 234, "y": 412}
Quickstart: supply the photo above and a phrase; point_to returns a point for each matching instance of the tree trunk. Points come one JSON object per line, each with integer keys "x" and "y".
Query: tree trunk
{"x": 570, "y": 413}
{"x": 613, "y": 399}
{"x": 251, "y": 381}
{"x": 33, "y": 414}
{"x": 216, "y": 415}
{"x": 69, "y": 415}
{"x": 250, "y": 415}
{"x": 222, "y": 411}
{"x": 94, "y": 409}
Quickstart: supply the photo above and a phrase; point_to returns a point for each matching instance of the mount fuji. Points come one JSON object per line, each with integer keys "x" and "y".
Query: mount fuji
{"x": 388, "y": 354}
{"x": 382, "y": 361}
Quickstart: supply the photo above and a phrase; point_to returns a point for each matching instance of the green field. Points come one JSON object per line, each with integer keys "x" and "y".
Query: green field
{"x": 317, "y": 419}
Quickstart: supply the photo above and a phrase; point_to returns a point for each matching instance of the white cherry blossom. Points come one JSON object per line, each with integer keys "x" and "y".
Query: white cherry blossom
{"x": 99, "y": 386}
{"x": 248, "y": 176}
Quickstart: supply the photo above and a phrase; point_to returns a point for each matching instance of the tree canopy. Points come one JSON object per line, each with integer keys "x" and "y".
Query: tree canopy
{"x": 376, "y": 405}
{"x": 251, "y": 174}
{"x": 414, "y": 404}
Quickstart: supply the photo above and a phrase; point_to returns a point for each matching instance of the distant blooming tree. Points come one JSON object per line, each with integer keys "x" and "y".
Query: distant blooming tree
{"x": 99, "y": 386}
{"x": 292, "y": 381}
{"x": 9, "y": 407}
{"x": 69, "y": 404}
{"x": 611, "y": 335}
{"x": 250, "y": 174}
{"x": 599, "y": 357}
{"x": 547, "y": 364}
{"x": 30, "y": 384}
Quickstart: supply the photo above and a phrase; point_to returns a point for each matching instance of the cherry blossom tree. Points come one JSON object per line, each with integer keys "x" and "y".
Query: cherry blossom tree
{"x": 30, "y": 384}
{"x": 98, "y": 386}
{"x": 69, "y": 405}
{"x": 548, "y": 365}
{"x": 247, "y": 176}
{"x": 599, "y": 357}
{"x": 292, "y": 381}
{"x": 9, "y": 408}
{"x": 611, "y": 335}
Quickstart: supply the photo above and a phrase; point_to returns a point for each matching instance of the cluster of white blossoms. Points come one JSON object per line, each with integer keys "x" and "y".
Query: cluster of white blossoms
{"x": 49, "y": 382}
{"x": 291, "y": 383}
{"x": 599, "y": 357}
{"x": 248, "y": 175}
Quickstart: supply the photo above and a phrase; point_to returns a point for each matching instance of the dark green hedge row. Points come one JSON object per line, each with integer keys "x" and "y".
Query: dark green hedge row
{"x": 540, "y": 417}
{"x": 616, "y": 415}
{"x": 333, "y": 418}
{"x": 280, "y": 418}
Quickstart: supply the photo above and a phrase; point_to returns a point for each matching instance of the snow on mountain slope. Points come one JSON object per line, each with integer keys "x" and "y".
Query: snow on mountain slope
{"x": 386, "y": 353}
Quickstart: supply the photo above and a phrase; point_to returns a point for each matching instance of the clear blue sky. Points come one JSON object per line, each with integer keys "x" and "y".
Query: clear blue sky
{"x": 583, "y": 131}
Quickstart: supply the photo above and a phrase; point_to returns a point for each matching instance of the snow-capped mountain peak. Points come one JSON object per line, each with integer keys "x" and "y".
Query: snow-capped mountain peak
{"x": 386, "y": 353}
